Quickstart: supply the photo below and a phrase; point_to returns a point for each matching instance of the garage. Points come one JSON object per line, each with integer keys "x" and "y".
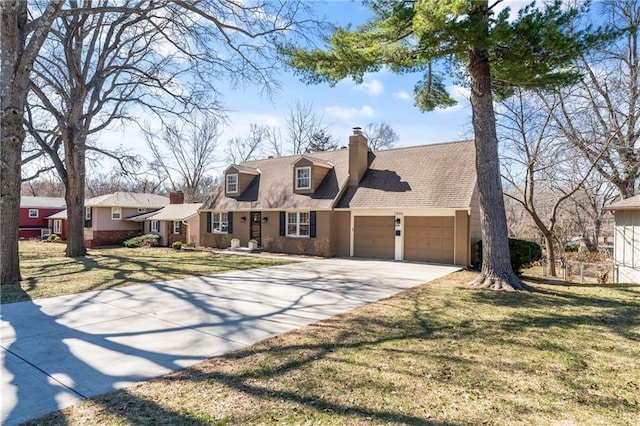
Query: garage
{"x": 429, "y": 239}
{"x": 374, "y": 236}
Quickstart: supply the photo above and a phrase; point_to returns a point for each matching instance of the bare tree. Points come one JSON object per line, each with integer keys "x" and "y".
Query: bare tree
{"x": 22, "y": 33}
{"x": 302, "y": 124}
{"x": 380, "y": 135}
{"x": 164, "y": 57}
{"x": 250, "y": 147}
{"x": 604, "y": 109}
{"x": 186, "y": 153}
{"x": 541, "y": 172}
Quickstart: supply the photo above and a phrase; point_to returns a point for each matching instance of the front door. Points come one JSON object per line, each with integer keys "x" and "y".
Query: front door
{"x": 255, "y": 230}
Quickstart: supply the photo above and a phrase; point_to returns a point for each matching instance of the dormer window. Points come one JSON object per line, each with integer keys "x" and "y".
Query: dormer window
{"x": 303, "y": 177}
{"x": 232, "y": 183}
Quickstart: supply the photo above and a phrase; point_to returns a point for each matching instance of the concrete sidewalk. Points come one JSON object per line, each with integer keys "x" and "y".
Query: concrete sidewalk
{"x": 58, "y": 351}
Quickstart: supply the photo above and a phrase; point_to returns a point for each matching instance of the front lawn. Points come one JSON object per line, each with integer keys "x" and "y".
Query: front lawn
{"x": 46, "y": 272}
{"x": 437, "y": 354}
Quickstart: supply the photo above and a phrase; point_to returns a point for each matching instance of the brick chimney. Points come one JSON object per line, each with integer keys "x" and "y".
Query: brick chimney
{"x": 358, "y": 153}
{"x": 176, "y": 197}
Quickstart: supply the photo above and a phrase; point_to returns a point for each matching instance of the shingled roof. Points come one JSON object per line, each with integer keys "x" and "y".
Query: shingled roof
{"x": 428, "y": 176}
{"x": 631, "y": 203}
{"x": 128, "y": 199}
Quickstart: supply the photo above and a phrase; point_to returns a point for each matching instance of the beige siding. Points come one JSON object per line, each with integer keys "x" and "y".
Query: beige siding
{"x": 341, "y": 233}
{"x": 627, "y": 238}
{"x": 463, "y": 246}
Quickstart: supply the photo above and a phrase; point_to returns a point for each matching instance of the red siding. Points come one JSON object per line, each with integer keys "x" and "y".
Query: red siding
{"x": 30, "y": 226}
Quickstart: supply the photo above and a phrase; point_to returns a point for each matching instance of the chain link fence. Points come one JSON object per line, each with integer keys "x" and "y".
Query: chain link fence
{"x": 584, "y": 272}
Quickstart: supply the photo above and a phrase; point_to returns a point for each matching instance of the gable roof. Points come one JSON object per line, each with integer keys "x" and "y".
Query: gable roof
{"x": 631, "y": 203}
{"x": 128, "y": 199}
{"x": 27, "y": 201}
{"x": 170, "y": 212}
{"x": 428, "y": 176}
{"x": 273, "y": 187}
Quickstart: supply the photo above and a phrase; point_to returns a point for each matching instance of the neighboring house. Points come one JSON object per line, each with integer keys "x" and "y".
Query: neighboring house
{"x": 105, "y": 216}
{"x": 58, "y": 224}
{"x": 418, "y": 203}
{"x": 626, "y": 244}
{"x": 33, "y": 222}
{"x": 174, "y": 222}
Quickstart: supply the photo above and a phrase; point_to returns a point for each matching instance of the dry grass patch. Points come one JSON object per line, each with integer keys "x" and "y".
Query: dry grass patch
{"x": 46, "y": 272}
{"x": 436, "y": 354}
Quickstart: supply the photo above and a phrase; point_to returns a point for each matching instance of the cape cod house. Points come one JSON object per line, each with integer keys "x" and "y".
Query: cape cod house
{"x": 416, "y": 204}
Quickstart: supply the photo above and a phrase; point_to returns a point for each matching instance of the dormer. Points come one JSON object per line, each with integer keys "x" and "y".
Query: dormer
{"x": 237, "y": 178}
{"x": 308, "y": 173}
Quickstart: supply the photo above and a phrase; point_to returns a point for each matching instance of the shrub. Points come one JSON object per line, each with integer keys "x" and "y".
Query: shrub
{"x": 50, "y": 237}
{"x": 572, "y": 248}
{"x": 522, "y": 254}
{"x": 145, "y": 240}
{"x": 178, "y": 245}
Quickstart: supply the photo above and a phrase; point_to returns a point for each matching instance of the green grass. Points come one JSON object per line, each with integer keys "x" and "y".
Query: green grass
{"x": 46, "y": 272}
{"x": 437, "y": 354}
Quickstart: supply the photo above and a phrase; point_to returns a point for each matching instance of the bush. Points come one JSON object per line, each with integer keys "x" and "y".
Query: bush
{"x": 50, "y": 237}
{"x": 522, "y": 254}
{"x": 146, "y": 240}
{"x": 572, "y": 248}
{"x": 178, "y": 245}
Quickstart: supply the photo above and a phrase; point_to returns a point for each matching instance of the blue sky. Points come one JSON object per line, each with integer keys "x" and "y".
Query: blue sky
{"x": 383, "y": 96}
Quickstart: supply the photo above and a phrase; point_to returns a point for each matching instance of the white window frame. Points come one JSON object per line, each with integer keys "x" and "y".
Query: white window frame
{"x": 116, "y": 213}
{"x": 296, "y": 227}
{"x": 223, "y": 225}
{"x": 176, "y": 227}
{"x": 154, "y": 226}
{"x": 57, "y": 226}
{"x": 308, "y": 177}
{"x": 34, "y": 213}
{"x": 87, "y": 213}
{"x": 229, "y": 184}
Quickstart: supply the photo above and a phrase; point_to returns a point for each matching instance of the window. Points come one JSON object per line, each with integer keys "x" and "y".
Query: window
{"x": 116, "y": 213}
{"x": 57, "y": 226}
{"x": 155, "y": 226}
{"x": 303, "y": 178}
{"x": 177, "y": 227}
{"x": 298, "y": 224}
{"x": 232, "y": 183}
{"x": 33, "y": 213}
{"x": 220, "y": 222}
{"x": 87, "y": 213}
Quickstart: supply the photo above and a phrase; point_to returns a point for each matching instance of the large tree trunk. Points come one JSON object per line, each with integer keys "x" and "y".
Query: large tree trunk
{"x": 75, "y": 159}
{"x": 551, "y": 254}
{"x": 13, "y": 94}
{"x": 496, "y": 272}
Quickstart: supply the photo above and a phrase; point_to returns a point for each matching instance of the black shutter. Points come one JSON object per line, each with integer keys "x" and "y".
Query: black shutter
{"x": 312, "y": 224}
{"x": 180, "y": 227}
{"x": 208, "y": 222}
{"x": 88, "y": 222}
{"x": 230, "y": 223}
{"x": 283, "y": 224}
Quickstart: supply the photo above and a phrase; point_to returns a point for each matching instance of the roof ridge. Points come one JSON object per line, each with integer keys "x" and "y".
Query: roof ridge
{"x": 425, "y": 145}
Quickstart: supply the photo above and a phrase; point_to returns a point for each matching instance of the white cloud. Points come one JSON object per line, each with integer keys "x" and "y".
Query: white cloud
{"x": 402, "y": 95}
{"x": 349, "y": 114}
{"x": 461, "y": 95}
{"x": 370, "y": 87}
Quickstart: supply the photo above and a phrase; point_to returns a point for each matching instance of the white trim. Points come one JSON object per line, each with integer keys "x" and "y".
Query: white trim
{"x": 156, "y": 228}
{"x": 226, "y": 183}
{"x": 213, "y": 230}
{"x": 399, "y": 239}
{"x": 297, "y": 223}
{"x": 119, "y": 213}
{"x": 297, "y": 169}
{"x": 57, "y": 226}
{"x": 36, "y": 212}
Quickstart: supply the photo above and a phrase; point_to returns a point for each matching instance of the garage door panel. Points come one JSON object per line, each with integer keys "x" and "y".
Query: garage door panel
{"x": 374, "y": 236}
{"x": 429, "y": 239}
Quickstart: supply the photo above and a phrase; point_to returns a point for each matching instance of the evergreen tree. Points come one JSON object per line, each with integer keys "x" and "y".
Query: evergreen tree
{"x": 496, "y": 54}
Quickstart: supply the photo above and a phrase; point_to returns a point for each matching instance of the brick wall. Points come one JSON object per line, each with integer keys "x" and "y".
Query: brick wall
{"x": 109, "y": 238}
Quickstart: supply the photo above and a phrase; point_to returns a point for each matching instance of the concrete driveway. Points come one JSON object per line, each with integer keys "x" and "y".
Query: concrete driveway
{"x": 58, "y": 351}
